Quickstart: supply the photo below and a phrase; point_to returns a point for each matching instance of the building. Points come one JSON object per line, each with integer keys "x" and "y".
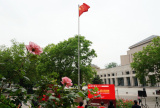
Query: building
{"x": 123, "y": 75}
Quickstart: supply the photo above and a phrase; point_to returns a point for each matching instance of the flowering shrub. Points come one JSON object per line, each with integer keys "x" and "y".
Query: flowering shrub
{"x": 122, "y": 103}
{"x": 52, "y": 95}
{"x": 49, "y": 93}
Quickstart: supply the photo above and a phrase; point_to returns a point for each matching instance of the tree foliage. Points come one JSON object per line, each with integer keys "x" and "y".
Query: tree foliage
{"x": 11, "y": 59}
{"x": 17, "y": 65}
{"x": 111, "y": 65}
{"x": 97, "y": 80}
{"x": 147, "y": 62}
{"x": 55, "y": 61}
{"x": 26, "y": 69}
{"x": 62, "y": 59}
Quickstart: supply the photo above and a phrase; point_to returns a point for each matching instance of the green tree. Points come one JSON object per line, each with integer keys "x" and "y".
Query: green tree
{"x": 111, "y": 65}
{"x": 12, "y": 67}
{"x": 62, "y": 59}
{"x": 147, "y": 62}
{"x": 97, "y": 80}
{"x": 16, "y": 65}
{"x": 46, "y": 63}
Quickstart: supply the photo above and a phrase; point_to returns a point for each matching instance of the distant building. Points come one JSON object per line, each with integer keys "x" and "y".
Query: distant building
{"x": 123, "y": 75}
{"x": 95, "y": 66}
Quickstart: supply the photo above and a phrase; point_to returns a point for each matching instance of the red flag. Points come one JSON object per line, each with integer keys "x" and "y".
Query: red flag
{"x": 83, "y": 8}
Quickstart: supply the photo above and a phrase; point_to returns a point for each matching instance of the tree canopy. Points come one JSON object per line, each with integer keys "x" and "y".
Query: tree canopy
{"x": 27, "y": 66}
{"x": 11, "y": 59}
{"x": 97, "y": 80}
{"x": 62, "y": 59}
{"x": 111, "y": 65}
{"x": 147, "y": 62}
{"x": 56, "y": 61}
{"x": 17, "y": 65}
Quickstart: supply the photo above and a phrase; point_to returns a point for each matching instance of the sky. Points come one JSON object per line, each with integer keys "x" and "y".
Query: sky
{"x": 111, "y": 25}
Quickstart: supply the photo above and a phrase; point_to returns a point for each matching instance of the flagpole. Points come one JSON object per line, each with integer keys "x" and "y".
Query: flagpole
{"x": 78, "y": 51}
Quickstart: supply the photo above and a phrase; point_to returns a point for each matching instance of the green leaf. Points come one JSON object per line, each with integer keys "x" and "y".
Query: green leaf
{"x": 22, "y": 72}
{"x": 95, "y": 89}
{"x": 52, "y": 97}
{"x": 83, "y": 84}
{"x": 9, "y": 89}
{"x": 25, "y": 77}
{"x": 33, "y": 57}
{"x": 14, "y": 90}
{"x": 87, "y": 99}
{"x": 57, "y": 99}
{"x": 23, "y": 90}
{"x": 98, "y": 95}
{"x": 90, "y": 90}
{"x": 81, "y": 94}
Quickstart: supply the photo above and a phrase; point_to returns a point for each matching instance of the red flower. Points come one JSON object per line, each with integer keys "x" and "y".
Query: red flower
{"x": 43, "y": 99}
{"x": 34, "y": 48}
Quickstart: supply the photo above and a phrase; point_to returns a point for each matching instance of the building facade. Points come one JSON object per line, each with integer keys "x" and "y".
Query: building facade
{"x": 124, "y": 75}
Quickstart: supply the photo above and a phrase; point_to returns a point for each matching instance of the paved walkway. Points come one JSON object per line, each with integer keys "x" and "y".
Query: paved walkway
{"x": 132, "y": 93}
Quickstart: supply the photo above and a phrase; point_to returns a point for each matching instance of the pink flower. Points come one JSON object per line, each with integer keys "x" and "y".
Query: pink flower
{"x": 67, "y": 81}
{"x": 34, "y": 48}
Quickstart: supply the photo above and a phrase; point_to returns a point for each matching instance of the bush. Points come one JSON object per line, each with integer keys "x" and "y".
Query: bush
{"x": 122, "y": 103}
{"x": 3, "y": 106}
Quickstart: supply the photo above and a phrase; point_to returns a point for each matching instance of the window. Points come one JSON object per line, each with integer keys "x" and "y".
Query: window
{"x": 104, "y": 75}
{"x": 101, "y": 75}
{"x": 127, "y": 72}
{"x": 112, "y": 74}
{"x": 133, "y": 72}
{"x": 108, "y": 74}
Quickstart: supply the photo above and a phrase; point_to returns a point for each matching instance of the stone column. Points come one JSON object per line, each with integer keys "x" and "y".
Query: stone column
{"x": 131, "y": 81}
{"x": 103, "y": 81}
{"x": 116, "y": 82}
{"x": 139, "y": 84}
{"x": 111, "y": 80}
{"x": 125, "y": 81}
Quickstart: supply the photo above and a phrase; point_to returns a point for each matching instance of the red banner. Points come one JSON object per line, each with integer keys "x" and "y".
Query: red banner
{"x": 107, "y": 91}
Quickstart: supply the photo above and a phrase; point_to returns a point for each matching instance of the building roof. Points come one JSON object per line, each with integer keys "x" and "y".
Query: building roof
{"x": 95, "y": 66}
{"x": 143, "y": 41}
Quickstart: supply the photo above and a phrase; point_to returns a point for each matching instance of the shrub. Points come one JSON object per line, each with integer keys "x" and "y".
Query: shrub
{"x": 122, "y": 103}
